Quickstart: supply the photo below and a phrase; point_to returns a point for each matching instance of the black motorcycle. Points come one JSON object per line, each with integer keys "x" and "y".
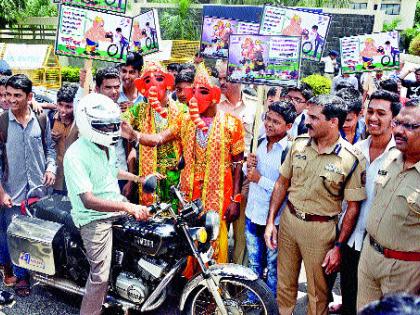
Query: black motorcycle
{"x": 148, "y": 258}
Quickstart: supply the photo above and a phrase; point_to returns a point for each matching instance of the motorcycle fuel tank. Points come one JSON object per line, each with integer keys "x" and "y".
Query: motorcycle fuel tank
{"x": 31, "y": 243}
{"x": 151, "y": 237}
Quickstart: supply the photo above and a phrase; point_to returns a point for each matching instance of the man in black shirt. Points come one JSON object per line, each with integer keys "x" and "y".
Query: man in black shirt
{"x": 413, "y": 87}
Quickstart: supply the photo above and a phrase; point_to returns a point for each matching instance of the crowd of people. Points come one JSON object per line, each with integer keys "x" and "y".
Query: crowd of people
{"x": 328, "y": 180}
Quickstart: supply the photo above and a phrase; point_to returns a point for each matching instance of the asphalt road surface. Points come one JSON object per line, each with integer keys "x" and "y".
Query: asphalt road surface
{"x": 49, "y": 301}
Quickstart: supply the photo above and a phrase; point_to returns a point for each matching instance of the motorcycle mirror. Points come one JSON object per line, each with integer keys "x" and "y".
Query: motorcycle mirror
{"x": 181, "y": 163}
{"x": 150, "y": 184}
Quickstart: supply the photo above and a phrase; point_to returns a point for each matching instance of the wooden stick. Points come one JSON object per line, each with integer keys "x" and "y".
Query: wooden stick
{"x": 258, "y": 113}
{"x": 89, "y": 77}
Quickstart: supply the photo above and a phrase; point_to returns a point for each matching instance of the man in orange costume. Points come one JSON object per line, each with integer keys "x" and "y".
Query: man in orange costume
{"x": 156, "y": 115}
{"x": 212, "y": 146}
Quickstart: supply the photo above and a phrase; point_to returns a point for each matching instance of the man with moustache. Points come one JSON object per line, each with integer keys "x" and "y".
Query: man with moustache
{"x": 320, "y": 171}
{"x": 299, "y": 96}
{"x": 390, "y": 258}
{"x": 382, "y": 108}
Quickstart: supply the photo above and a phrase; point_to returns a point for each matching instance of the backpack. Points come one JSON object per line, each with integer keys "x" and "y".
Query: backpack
{"x": 4, "y": 126}
{"x": 283, "y": 154}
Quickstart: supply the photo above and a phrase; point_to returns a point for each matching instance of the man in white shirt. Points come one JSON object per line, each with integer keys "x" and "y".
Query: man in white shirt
{"x": 299, "y": 96}
{"x": 330, "y": 64}
{"x": 382, "y": 108}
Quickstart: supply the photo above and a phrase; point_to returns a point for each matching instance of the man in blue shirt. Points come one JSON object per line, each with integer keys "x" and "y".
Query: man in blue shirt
{"x": 262, "y": 170}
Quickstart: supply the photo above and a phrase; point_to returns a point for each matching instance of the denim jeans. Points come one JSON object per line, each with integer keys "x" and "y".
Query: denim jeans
{"x": 259, "y": 256}
{"x": 6, "y": 215}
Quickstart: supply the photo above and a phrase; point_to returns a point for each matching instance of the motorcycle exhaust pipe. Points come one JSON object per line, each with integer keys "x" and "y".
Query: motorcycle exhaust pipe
{"x": 71, "y": 287}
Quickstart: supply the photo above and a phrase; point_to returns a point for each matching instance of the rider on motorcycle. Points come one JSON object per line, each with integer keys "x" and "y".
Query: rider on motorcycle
{"x": 92, "y": 181}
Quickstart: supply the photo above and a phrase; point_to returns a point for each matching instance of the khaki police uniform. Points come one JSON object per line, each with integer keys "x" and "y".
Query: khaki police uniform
{"x": 393, "y": 230}
{"x": 317, "y": 188}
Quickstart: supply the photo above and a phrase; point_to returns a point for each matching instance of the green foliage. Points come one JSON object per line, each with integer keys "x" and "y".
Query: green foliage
{"x": 70, "y": 74}
{"x": 40, "y": 8}
{"x": 414, "y": 48}
{"x": 391, "y": 25}
{"x": 318, "y": 83}
{"x": 179, "y": 23}
{"x": 10, "y": 11}
{"x": 417, "y": 16}
{"x": 409, "y": 34}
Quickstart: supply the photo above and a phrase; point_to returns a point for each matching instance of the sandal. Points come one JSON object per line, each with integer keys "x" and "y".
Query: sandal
{"x": 22, "y": 288}
{"x": 335, "y": 308}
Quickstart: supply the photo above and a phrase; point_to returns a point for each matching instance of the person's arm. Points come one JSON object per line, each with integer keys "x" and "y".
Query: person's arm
{"x": 124, "y": 175}
{"x": 150, "y": 140}
{"x": 277, "y": 198}
{"x": 232, "y": 211}
{"x": 50, "y": 157}
{"x": 90, "y": 201}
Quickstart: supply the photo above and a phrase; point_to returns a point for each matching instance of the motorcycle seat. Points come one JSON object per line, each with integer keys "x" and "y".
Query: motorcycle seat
{"x": 55, "y": 208}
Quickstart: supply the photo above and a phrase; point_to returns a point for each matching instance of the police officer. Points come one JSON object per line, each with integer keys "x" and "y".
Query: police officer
{"x": 390, "y": 258}
{"x": 320, "y": 170}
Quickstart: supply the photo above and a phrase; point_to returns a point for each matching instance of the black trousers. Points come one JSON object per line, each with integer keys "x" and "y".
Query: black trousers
{"x": 348, "y": 281}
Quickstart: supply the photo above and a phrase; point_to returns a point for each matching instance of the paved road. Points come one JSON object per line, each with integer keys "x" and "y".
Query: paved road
{"x": 47, "y": 301}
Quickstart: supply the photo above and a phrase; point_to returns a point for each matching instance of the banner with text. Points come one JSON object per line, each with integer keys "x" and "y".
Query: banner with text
{"x": 371, "y": 52}
{"x": 264, "y": 59}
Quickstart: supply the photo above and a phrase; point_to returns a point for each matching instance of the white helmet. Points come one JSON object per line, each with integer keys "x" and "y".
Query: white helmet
{"x": 98, "y": 119}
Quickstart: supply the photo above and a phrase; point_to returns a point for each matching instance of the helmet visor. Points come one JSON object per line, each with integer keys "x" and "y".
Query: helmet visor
{"x": 106, "y": 127}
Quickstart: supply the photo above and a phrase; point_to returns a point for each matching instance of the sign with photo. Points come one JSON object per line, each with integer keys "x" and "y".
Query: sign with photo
{"x": 145, "y": 36}
{"x": 117, "y": 6}
{"x": 312, "y": 26}
{"x": 371, "y": 52}
{"x": 264, "y": 59}
{"x": 215, "y": 35}
{"x": 92, "y": 34}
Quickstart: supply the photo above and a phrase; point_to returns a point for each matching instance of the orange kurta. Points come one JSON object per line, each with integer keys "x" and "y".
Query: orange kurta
{"x": 208, "y": 171}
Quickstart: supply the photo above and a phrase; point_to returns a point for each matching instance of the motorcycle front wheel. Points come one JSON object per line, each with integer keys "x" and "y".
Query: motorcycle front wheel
{"x": 241, "y": 297}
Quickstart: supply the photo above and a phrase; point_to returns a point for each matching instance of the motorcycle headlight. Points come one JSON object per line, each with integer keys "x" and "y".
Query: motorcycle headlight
{"x": 199, "y": 234}
{"x": 213, "y": 224}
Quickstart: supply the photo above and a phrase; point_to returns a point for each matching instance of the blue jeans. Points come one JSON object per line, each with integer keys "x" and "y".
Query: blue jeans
{"x": 259, "y": 255}
{"x": 6, "y": 215}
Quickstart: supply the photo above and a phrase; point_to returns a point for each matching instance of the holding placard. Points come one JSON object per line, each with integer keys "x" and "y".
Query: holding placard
{"x": 92, "y": 34}
{"x": 145, "y": 36}
{"x": 263, "y": 59}
{"x": 312, "y": 26}
{"x": 370, "y": 52}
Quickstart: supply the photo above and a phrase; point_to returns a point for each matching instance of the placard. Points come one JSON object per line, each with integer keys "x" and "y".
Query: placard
{"x": 18, "y": 56}
{"x": 311, "y": 25}
{"x": 92, "y": 34}
{"x": 118, "y": 6}
{"x": 215, "y": 35}
{"x": 371, "y": 52}
{"x": 145, "y": 35}
{"x": 264, "y": 59}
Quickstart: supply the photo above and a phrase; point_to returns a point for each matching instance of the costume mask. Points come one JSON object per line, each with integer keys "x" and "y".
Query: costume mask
{"x": 205, "y": 94}
{"x": 154, "y": 83}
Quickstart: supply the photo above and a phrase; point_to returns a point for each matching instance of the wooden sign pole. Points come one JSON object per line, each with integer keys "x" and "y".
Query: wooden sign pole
{"x": 258, "y": 113}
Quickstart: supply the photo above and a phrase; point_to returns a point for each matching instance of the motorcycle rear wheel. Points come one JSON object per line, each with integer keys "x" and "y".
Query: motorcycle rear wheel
{"x": 241, "y": 297}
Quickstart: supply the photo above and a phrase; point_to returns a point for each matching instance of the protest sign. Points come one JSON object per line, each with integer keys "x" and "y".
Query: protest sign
{"x": 145, "y": 36}
{"x": 118, "y": 6}
{"x": 264, "y": 59}
{"x": 18, "y": 56}
{"x": 92, "y": 34}
{"x": 371, "y": 52}
{"x": 312, "y": 26}
{"x": 215, "y": 35}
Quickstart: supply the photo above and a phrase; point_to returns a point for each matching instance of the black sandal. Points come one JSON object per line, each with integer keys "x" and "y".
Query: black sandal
{"x": 22, "y": 288}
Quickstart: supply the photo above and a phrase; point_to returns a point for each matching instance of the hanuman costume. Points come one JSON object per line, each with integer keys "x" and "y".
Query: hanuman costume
{"x": 150, "y": 117}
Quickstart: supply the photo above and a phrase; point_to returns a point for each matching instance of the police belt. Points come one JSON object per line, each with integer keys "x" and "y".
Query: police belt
{"x": 395, "y": 254}
{"x": 309, "y": 217}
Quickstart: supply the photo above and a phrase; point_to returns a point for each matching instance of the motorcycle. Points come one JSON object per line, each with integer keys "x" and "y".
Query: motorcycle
{"x": 148, "y": 258}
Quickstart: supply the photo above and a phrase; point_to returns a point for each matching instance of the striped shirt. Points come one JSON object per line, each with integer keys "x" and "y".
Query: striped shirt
{"x": 27, "y": 161}
{"x": 268, "y": 166}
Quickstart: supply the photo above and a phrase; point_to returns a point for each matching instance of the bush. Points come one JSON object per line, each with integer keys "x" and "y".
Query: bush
{"x": 70, "y": 74}
{"x": 408, "y": 35}
{"x": 318, "y": 83}
{"x": 414, "y": 48}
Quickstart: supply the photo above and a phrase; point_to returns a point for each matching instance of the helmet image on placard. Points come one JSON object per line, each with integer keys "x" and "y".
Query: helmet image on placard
{"x": 98, "y": 119}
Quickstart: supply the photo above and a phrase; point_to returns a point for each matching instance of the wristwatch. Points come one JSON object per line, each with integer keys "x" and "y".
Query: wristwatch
{"x": 338, "y": 244}
{"x": 237, "y": 198}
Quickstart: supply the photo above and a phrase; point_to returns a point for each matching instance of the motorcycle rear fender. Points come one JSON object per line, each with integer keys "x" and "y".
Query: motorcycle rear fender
{"x": 218, "y": 272}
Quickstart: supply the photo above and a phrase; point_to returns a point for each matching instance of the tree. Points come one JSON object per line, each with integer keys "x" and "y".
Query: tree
{"x": 10, "y": 11}
{"x": 179, "y": 23}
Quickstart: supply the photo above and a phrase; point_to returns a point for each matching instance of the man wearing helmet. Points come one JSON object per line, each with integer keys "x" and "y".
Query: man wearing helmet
{"x": 157, "y": 114}
{"x": 213, "y": 149}
{"x": 91, "y": 177}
